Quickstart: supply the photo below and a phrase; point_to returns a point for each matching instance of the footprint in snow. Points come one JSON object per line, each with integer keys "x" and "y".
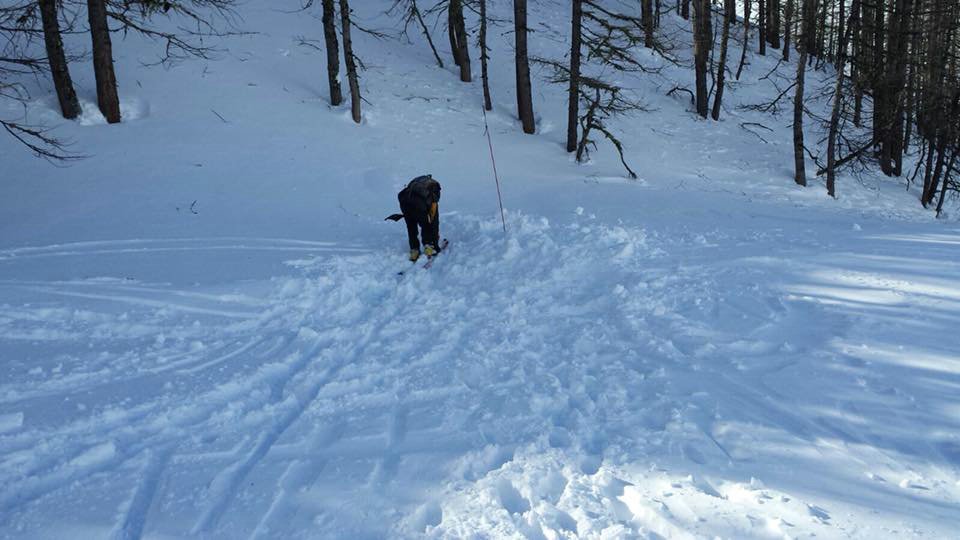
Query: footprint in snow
{"x": 511, "y": 499}
{"x": 818, "y": 513}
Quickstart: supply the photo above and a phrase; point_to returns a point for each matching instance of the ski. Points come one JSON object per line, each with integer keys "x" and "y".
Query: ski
{"x": 443, "y": 246}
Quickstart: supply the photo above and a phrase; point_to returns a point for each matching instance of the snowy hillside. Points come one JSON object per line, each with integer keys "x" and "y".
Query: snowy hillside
{"x": 203, "y": 332}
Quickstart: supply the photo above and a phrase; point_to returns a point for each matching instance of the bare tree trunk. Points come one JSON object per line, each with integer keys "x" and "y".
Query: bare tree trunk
{"x": 928, "y": 168}
{"x": 729, "y": 14}
{"x": 107, "y": 98}
{"x": 333, "y": 52}
{"x": 458, "y": 31}
{"x": 946, "y": 182}
{"x": 931, "y": 191}
{"x": 842, "y": 22}
{"x": 685, "y": 9}
{"x": 67, "y": 96}
{"x": 649, "y": 22}
{"x": 800, "y": 174}
{"x": 891, "y": 115}
{"x": 424, "y": 29}
{"x": 702, "y": 41}
{"x": 573, "y": 106}
{"x": 762, "y": 26}
{"x": 773, "y": 23}
{"x": 837, "y": 103}
{"x": 876, "y": 70}
{"x": 522, "y": 65}
{"x": 945, "y": 135}
{"x": 788, "y": 21}
{"x": 821, "y": 34}
{"x": 912, "y": 94}
{"x": 857, "y": 66}
{"x": 452, "y": 33}
{"x": 350, "y": 61}
{"x": 484, "y": 57}
{"x": 746, "y": 37}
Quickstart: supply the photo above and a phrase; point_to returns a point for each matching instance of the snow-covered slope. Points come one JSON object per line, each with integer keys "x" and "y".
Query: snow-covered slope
{"x": 203, "y": 333}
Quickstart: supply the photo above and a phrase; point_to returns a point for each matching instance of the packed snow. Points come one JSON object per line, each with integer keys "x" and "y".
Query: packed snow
{"x": 204, "y": 332}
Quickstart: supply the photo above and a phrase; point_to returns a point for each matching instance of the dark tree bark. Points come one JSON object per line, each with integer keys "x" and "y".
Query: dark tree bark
{"x": 350, "y": 61}
{"x": 66, "y": 95}
{"x": 484, "y": 57}
{"x": 860, "y": 48}
{"x": 522, "y": 65}
{"x": 945, "y": 135}
{"x": 946, "y": 182}
{"x": 333, "y": 52}
{"x": 746, "y": 37}
{"x": 649, "y": 23}
{"x": 821, "y": 31}
{"x": 729, "y": 15}
{"x": 414, "y": 13}
{"x": 458, "y": 39}
{"x": 685, "y": 9}
{"x": 876, "y": 70}
{"x": 808, "y": 13}
{"x": 787, "y": 22}
{"x": 931, "y": 191}
{"x": 762, "y": 26}
{"x": 773, "y": 23}
{"x": 573, "y": 106}
{"x": 702, "y": 41}
{"x": 107, "y": 98}
{"x": 928, "y": 169}
{"x": 891, "y": 106}
{"x": 837, "y": 104}
{"x": 452, "y": 33}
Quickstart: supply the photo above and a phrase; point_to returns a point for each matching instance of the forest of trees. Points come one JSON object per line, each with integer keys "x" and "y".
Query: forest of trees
{"x": 894, "y": 62}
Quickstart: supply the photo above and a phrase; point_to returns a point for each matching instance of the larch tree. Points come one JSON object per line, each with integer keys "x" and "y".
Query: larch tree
{"x": 649, "y": 22}
{"x": 729, "y": 14}
{"x": 19, "y": 60}
{"x": 411, "y": 14}
{"x": 350, "y": 61}
{"x": 834, "y": 126}
{"x": 333, "y": 52}
{"x": 457, "y": 30}
{"x": 573, "y": 92}
{"x": 762, "y": 26}
{"x": 522, "y": 66}
{"x": 746, "y": 37}
{"x": 888, "y": 112}
{"x": 107, "y": 98}
{"x": 803, "y": 44}
{"x": 602, "y": 41}
{"x": 484, "y": 56}
{"x": 57, "y": 58}
{"x": 787, "y": 23}
{"x": 773, "y": 23}
{"x": 702, "y": 43}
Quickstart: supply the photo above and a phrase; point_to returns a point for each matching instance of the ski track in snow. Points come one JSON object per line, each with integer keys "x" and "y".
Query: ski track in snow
{"x": 504, "y": 392}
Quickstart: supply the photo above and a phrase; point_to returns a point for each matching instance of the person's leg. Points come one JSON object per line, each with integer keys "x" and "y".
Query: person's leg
{"x": 410, "y": 218}
{"x": 431, "y": 232}
{"x": 412, "y": 233}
